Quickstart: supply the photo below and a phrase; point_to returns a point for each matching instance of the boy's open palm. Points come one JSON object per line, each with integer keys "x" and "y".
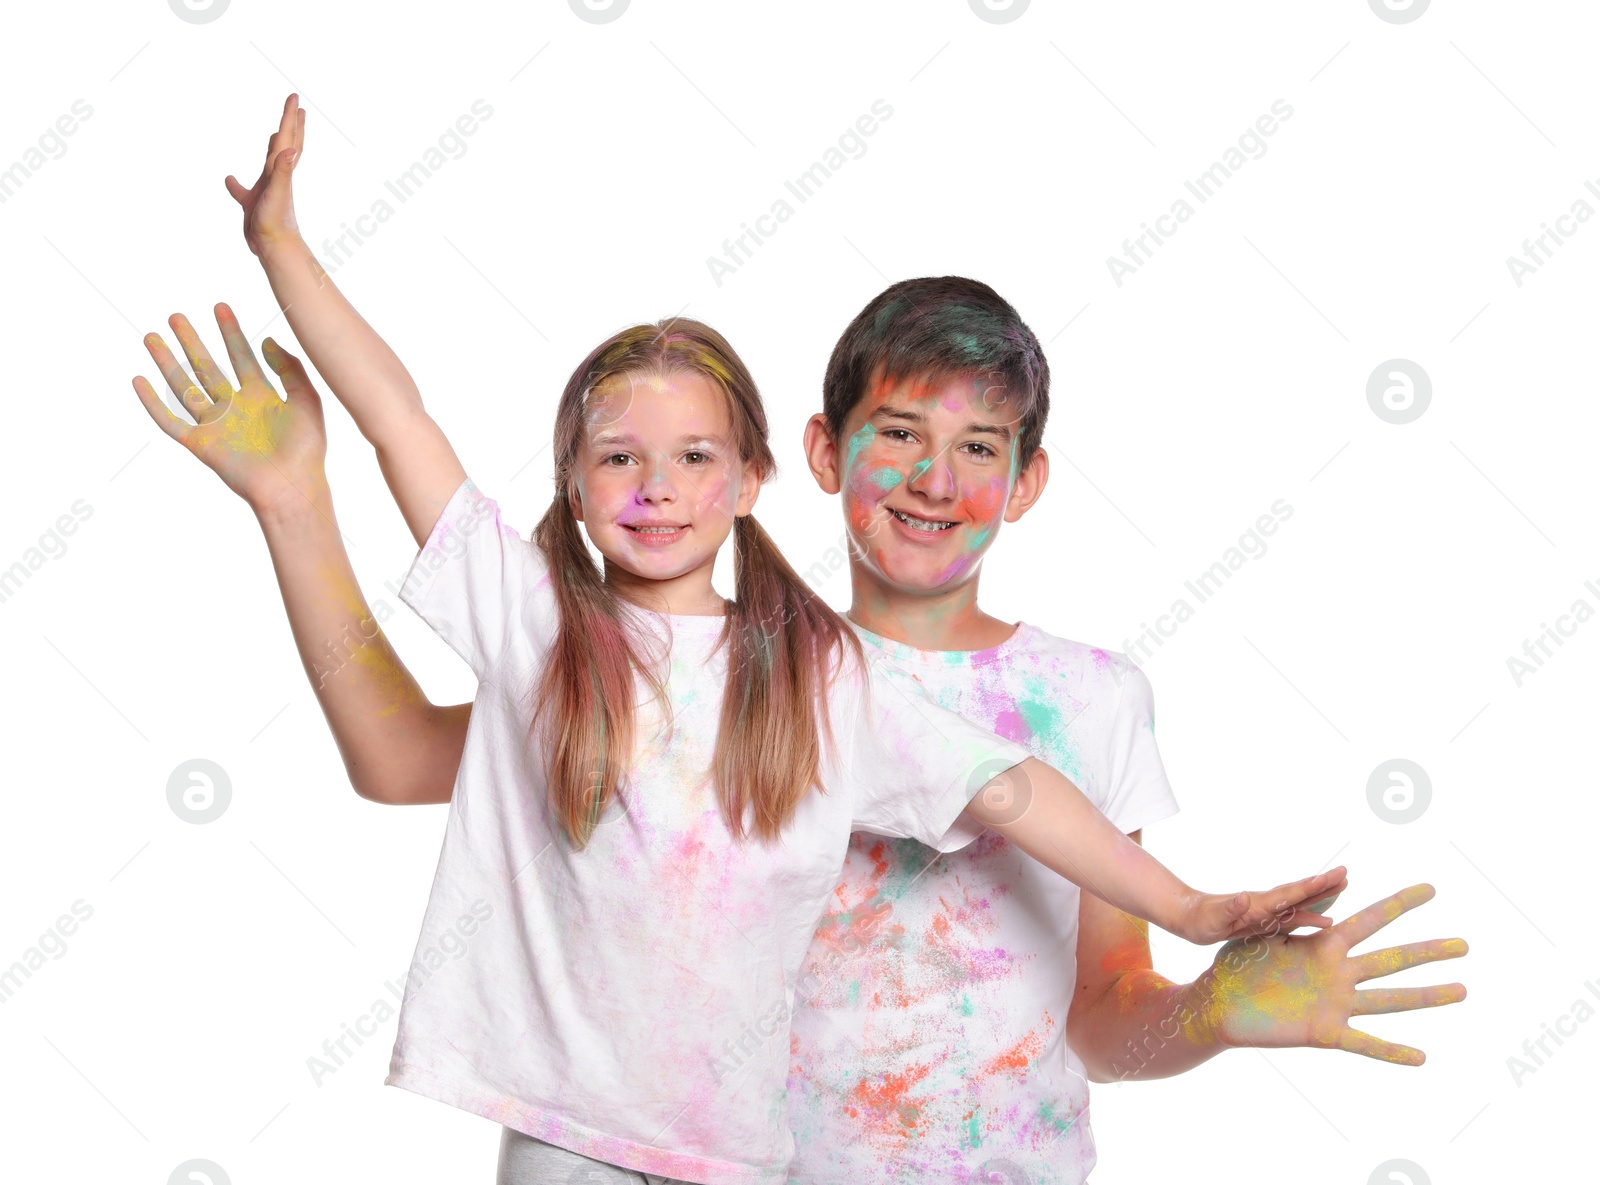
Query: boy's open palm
{"x": 269, "y": 204}
{"x": 1300, "y": 990}
{"x": 267, "y": 450}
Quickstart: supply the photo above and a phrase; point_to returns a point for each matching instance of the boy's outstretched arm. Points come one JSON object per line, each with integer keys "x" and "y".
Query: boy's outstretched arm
{"x": 397, "y": 747}
{"x": 421, "y": 468}
{"x": 1128, "y": 1022}
{"x": 1043, "y": 813}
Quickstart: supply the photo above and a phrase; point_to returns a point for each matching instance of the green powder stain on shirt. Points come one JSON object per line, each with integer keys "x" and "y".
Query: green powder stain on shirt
{"x": 1048, "y": 1117}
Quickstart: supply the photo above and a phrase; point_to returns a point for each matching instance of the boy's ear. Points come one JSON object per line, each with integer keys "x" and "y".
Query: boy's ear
{"x": 822, "y": 454}
{"x": 1030, "y": 484}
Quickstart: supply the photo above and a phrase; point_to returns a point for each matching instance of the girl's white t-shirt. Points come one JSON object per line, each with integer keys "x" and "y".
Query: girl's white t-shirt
{"x": 630, "y": 1001}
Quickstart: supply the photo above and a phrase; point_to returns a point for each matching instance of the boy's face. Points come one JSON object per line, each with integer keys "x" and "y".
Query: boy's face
{"x": 929, "y": 470}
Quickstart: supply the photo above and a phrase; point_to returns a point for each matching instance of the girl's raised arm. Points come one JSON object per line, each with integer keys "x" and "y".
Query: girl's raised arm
{"x": 362, "y": 371}
{"x": 397, "y": 747}
{"x": 1043, "y": 813}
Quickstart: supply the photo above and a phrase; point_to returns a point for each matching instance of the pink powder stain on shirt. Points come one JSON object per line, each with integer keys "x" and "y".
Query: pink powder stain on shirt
{"x": 1010, "y": 725}
{"x": 955, "y": 955}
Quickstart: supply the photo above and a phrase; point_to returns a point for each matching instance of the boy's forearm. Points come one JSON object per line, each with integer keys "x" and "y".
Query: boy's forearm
{"x": 1142, "y": 1026}
{"x": 377, "y": 712}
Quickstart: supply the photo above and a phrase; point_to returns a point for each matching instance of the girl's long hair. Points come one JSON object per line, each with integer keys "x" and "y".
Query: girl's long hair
{"x": 782, "y": 641}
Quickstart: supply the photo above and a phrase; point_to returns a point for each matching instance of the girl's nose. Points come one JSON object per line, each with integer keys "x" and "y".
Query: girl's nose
{"x": 656, "y": 480}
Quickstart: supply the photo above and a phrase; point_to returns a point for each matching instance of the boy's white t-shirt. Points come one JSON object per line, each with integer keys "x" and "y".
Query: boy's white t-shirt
{"x": 930, "y": 1033}
{"x": 630, "y": 1001}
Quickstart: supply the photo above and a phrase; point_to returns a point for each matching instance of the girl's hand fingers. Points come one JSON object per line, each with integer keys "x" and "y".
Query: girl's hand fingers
{"x": 1289, "y": 916}
{"x": 208, "y": 372}
{"x": 1310, "y": 888}
{"x": 190, "y": 397}
{"x": 239, "y": 351}
{"x": 283, "y": 138}
{"x": 1219, "y": 917}
{"x": 286, "y": 142}
{"x": 1322, "y": 904}
{"x": 1304, "y": 917}
{"x": 165, "y": 420}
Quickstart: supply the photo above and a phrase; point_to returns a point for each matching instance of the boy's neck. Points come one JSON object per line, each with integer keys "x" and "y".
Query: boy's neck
{"x": 946, "y": 620}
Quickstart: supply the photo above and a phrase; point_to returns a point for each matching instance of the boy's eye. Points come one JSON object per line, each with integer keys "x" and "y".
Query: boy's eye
{"x": 896, "y": 433}
{"x": 981, "y": 449}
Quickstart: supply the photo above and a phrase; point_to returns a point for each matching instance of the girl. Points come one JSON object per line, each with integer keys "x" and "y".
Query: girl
{"x": 635, "y": 859}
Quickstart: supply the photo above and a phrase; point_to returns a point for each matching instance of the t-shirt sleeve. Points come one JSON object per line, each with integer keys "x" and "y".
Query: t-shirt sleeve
{"x": 912, "y": 766}
{"x": 476, "y": 581}
{"x": 1138, "y": 793}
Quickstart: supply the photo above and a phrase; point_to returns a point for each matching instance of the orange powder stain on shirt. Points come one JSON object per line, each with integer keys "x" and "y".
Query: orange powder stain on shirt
{"x": 887, "y": 1106}
{"x": 1020, "y": 1056}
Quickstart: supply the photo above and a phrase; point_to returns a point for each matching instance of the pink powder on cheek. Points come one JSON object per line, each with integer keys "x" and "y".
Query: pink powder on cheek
{"x": 956, "y": 567}
{"x": 718, "y": 492}
{"x": 863, "y": 498}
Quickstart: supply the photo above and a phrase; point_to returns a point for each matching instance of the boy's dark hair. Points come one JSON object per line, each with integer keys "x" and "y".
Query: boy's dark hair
{"x": 941, "y": 327}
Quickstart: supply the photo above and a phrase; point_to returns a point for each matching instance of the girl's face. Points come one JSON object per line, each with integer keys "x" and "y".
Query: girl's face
{"x": 658, "y": 475}
{"x": 927, "y": 471}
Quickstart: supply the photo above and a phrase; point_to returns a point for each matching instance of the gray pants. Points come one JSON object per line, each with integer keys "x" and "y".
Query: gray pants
{"x": 527, "y": 1161}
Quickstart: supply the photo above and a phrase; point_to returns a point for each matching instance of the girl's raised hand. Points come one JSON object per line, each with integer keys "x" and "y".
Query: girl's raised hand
{"x": 269, "y": 205}
{"x": 267, "y": 450}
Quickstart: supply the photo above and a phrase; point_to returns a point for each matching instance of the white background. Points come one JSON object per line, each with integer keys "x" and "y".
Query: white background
{"x": 1230, "y": 371}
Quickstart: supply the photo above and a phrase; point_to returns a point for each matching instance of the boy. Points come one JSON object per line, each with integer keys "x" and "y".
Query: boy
{"x": 940, "y": 995}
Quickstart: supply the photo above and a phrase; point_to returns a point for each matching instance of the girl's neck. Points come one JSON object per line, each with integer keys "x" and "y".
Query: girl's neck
{"x": 688, "y": 595}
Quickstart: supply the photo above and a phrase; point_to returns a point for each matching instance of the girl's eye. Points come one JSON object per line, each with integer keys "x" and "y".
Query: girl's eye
{"x": 696, "y": 457}
{"x": 615, "y": 457}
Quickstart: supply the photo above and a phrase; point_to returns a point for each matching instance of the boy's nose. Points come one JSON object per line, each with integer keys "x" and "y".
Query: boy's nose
{"x": 932, "y": 476}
